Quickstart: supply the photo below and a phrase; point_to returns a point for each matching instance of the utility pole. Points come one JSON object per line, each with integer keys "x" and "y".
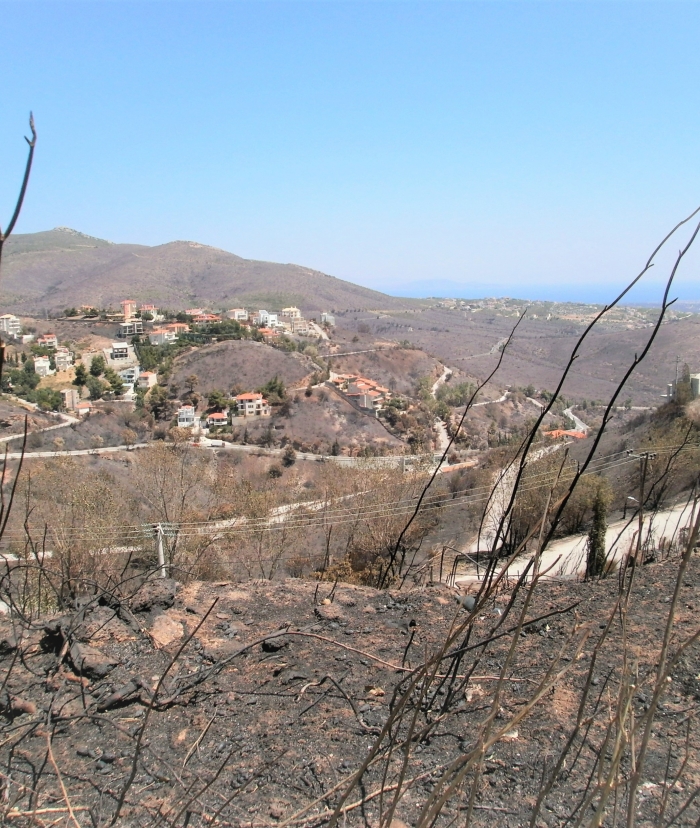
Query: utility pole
{"x": 161, "y": 554}
{"x": 644, "y": 459}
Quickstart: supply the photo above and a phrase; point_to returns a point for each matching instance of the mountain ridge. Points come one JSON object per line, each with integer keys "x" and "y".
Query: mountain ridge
{"x": 55, "y": 269}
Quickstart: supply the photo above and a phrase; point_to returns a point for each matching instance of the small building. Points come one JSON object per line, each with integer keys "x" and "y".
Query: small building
{"x": 83, "y": 408}
{"x": 71, "y": 398}
{"x": 42, "y": 365}
{"x": 298, "y": 326}
{"x": 265, "y": 319}
{"x": 130, "y": 375}
{"x": 177, "y": 327}
{"x": 128, "y": 309}
{"x": 252, "y": 405}
{"x": 218, "y": 418}
{"x": 133, "y": 327}
{"x": 120, "y": 350}
{"x": 557, "y": 433}
{"x": 185, "y": 416}
{"x": 328, "y": 319}
{"x": 269, "y": 333}
{"x": 205, "y": 318}
{"x": 695, "y": 386}
{"x": 238, "y": 314}
{"x": 194, "y": 311}
{"x": 48, "y": 340}
{"x": 291, "y": 313}
{"x": 162, "y": 336}
{"x": 10, "y": 324}
{"x": 153, "y": 312}
{"x": 147, "y": 379}
{"x": 63, "y": 358}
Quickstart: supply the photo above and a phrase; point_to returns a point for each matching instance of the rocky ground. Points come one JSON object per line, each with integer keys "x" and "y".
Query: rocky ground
{"x": 256, "y": 704}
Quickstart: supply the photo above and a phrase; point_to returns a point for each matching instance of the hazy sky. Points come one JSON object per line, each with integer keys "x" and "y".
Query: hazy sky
{"x": 525, "y": 148}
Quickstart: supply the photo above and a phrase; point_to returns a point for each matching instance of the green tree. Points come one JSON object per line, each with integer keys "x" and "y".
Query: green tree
{"x": 98, "y": 365}
{"x": 274, "y": 390}
{"x": 595, "y": 563}
{"x": 116, "y": 383}
{"x": 49, "y": 400}
{"x": 158, "y": 401}
{"x": 289, "y": 456}
{"x": 217, "y": 400}
{"x": 192, "y": 382}
{"x": 96, "y": 387}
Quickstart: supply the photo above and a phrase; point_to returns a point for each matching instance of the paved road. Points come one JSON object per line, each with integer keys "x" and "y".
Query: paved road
{"x": 566, "y": 558}
{"x": 66, "y": 421}
{"x": 579, "y": 424}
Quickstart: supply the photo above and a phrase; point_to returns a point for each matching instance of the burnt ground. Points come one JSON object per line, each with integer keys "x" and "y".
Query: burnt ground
{"x": 247, "y": 731}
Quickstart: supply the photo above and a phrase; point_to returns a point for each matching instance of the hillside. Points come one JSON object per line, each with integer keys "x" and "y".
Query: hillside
{"x": 61, "y": 268}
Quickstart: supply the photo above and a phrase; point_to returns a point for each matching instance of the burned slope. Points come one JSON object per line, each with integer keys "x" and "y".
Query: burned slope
{"x": 257, "y": 703}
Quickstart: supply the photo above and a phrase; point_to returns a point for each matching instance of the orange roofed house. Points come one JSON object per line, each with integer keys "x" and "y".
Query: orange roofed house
{"x": 252, "y": 405}
{"x": 560, "y": 432}
{"x": 365, "y": 393}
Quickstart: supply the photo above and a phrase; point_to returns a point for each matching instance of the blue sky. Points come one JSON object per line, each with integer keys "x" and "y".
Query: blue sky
{"x": 530, "y": 148}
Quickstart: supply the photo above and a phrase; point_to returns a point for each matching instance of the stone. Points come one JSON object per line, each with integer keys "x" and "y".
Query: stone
{"x": 91, "y": 662}
{"x": 328, "y": 613}
{"x": 165, "y": 630}
{"x": 157, "y": 592}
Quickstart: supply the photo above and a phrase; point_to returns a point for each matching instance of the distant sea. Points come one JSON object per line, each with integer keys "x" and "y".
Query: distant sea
{"x": 643, "y": 295}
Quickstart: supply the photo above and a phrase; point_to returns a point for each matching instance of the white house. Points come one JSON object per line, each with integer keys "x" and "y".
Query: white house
{"x": 238, "y": 314}
{"x": 10, "y": 324}
{"x": 130, "y": 375}
{"x": 162, "y": 336}
{"x": 265, "y": 319}
{"x": 328, "y": 319}
{"x": 42, "y": 366}
{"x": 185, "y": 416}
{"x": 63, "y": 358}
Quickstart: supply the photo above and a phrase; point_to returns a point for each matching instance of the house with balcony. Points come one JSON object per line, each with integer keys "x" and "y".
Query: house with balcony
{"x": 186, "y": 416}
{"x": 63, "y": 359}
{"x": 205, "y": 319}
{"x": 120, "y": 350}
{"x": 130, "y": 375}
{"x": 153, "y": 312}
{"x": 42, "y": 365}
{"x": 47, "y": 340}
{"x": 10, "y": 324}
{"x": 133, "y": 327}
{"x": 252, "y": 405}
{"x": 238, "y": 314}
{"x": 162, "y": 336}
{"x": 291, "y": 313}
{"x": 147, "y": 379}
{"x": 217, "y": 418}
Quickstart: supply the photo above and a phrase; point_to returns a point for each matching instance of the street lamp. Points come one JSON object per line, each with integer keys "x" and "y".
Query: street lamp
{"x": 624, "y": 511}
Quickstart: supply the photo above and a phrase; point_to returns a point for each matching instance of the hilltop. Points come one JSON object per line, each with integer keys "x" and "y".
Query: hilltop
{"x": 61, "y": 268}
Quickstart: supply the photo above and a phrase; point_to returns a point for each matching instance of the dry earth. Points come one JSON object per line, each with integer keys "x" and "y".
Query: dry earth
{"x": 274, "y": 695}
